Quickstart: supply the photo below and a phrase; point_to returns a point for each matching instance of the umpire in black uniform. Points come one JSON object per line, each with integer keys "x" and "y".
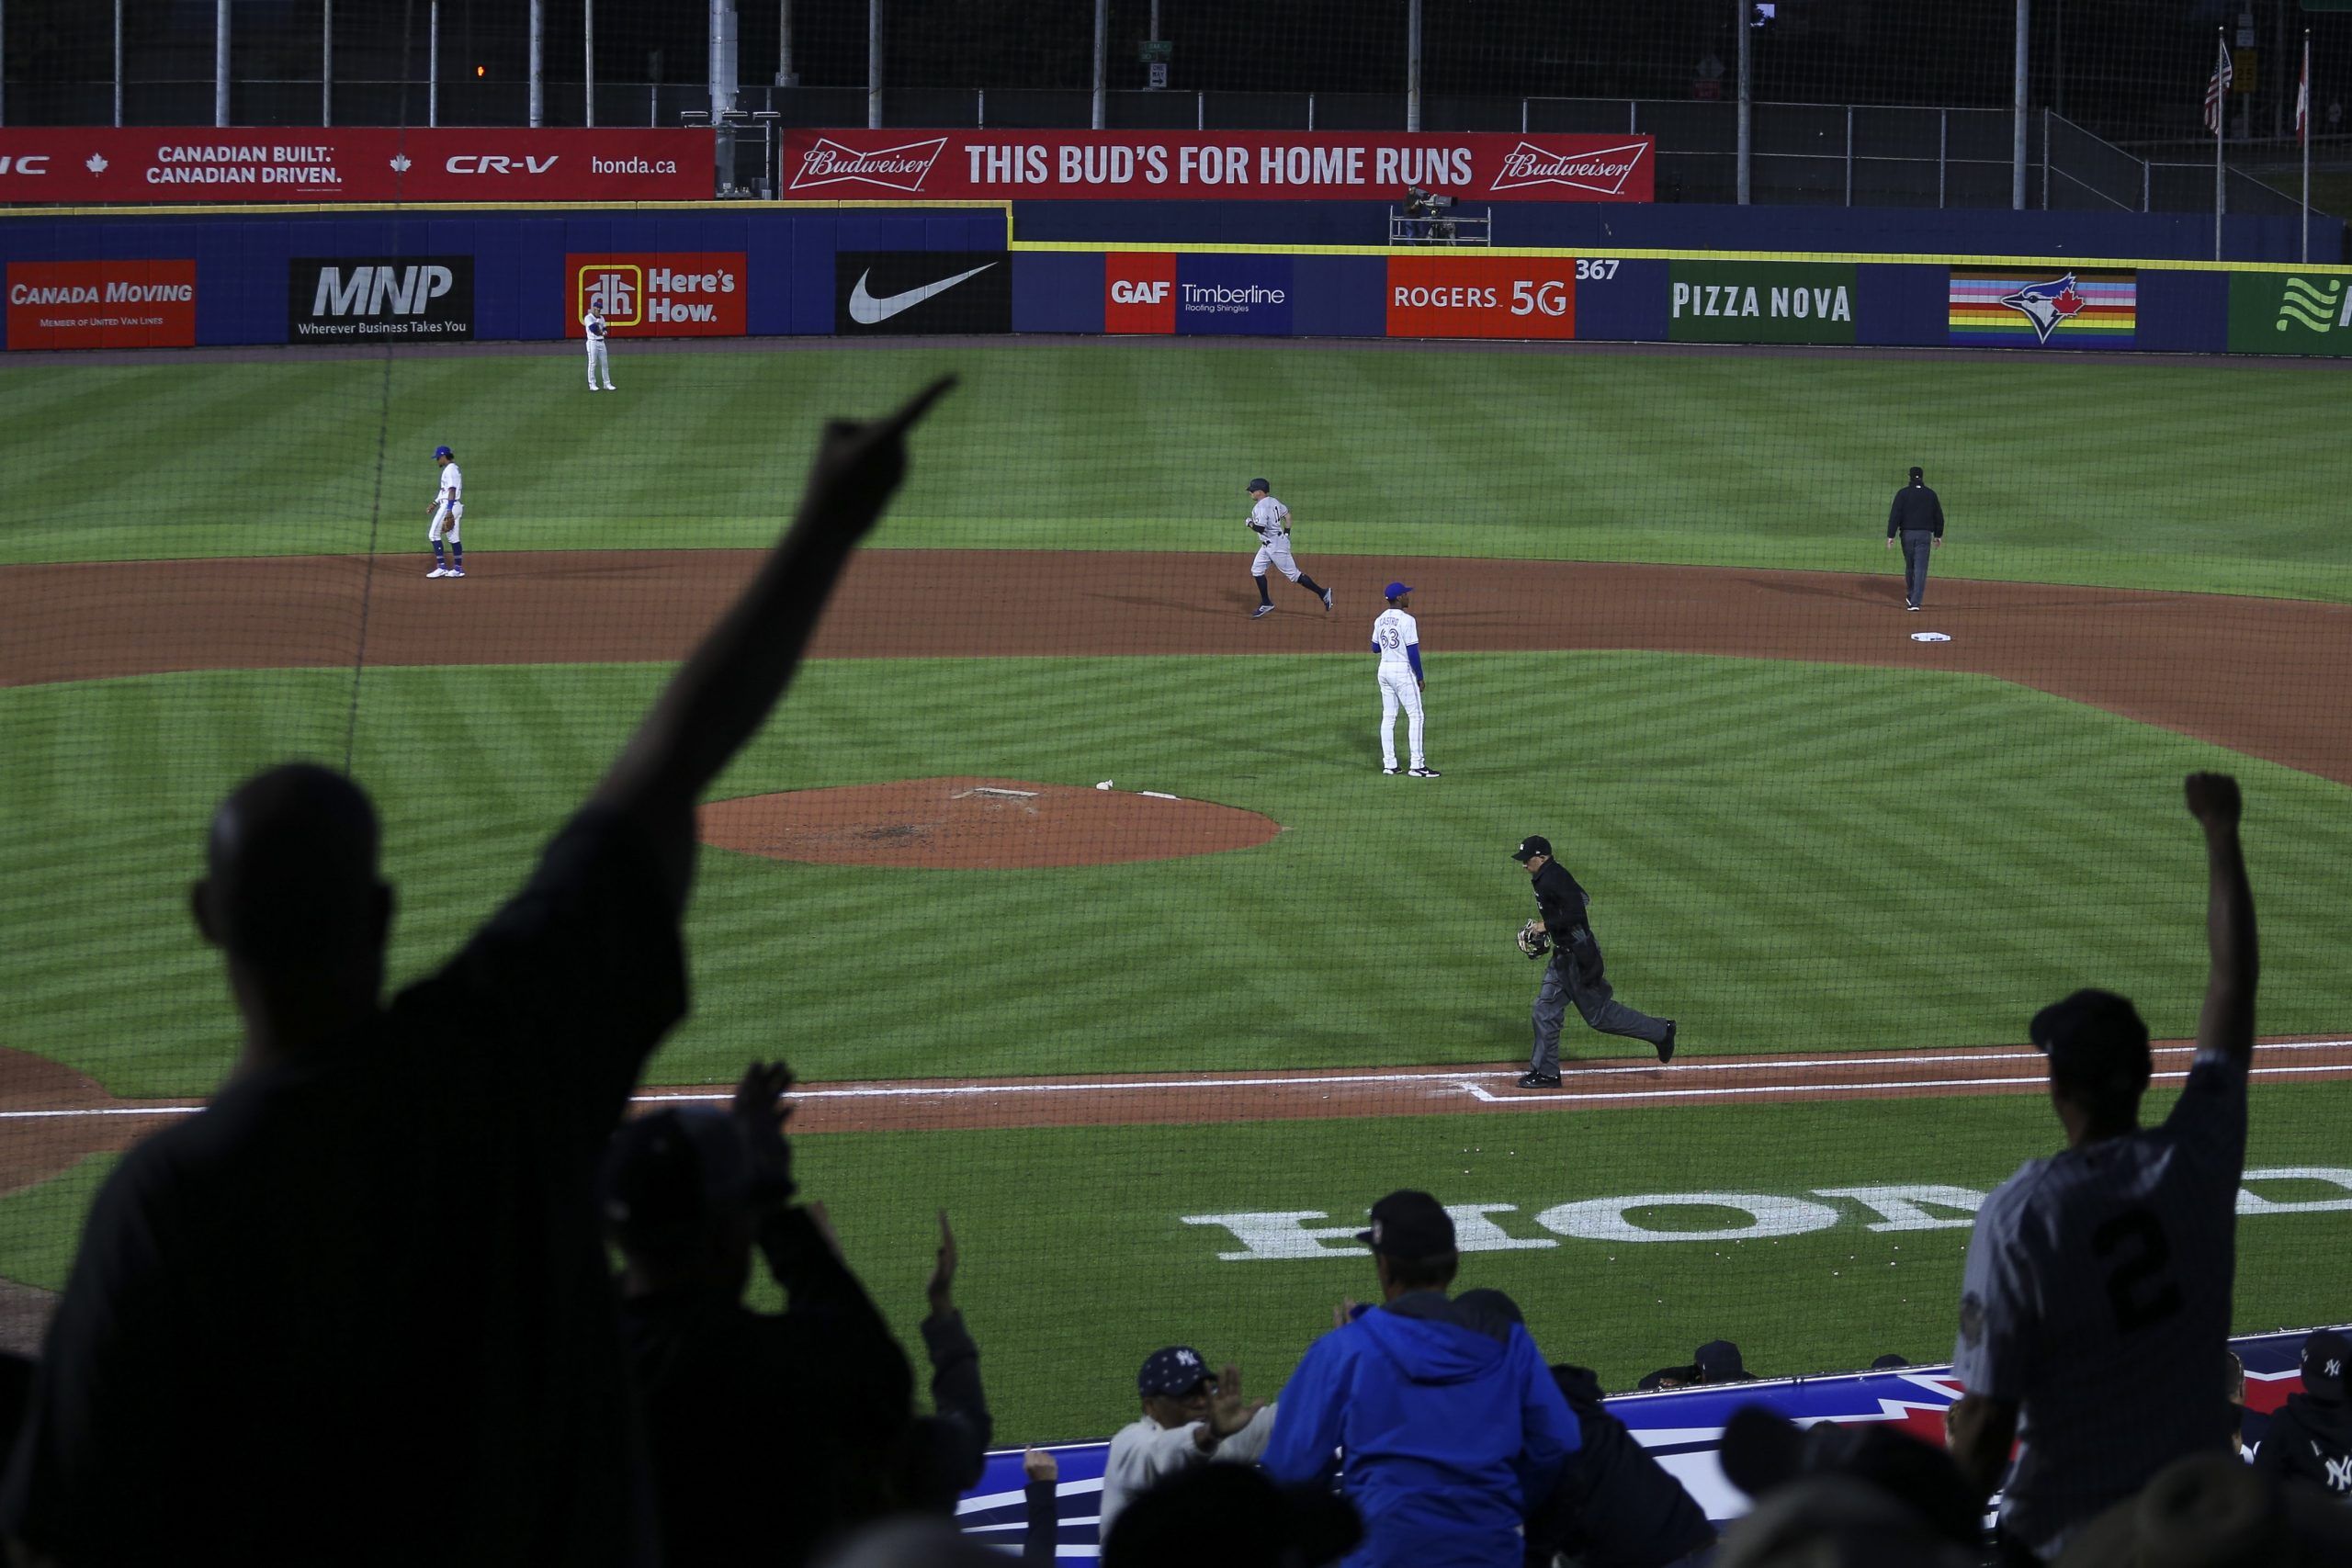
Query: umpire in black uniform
{"x": 1575, "y": 974}
{"x": 1919, "y": 517}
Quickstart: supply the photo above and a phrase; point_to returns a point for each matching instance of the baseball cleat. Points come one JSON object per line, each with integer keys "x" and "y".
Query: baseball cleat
{"x": 1327, "y": 600}
{"x": 1539, "y": 1080}
{"x": 1426, "y": 774}
{"x": 456, "y": 571}
{"x": 1262, "y": 610}
{"x": 1391, "y": 769}
{"x": 1910, "y": 606}
{"x": 1665, "y": 1047}
{"x": 439, "y": 571}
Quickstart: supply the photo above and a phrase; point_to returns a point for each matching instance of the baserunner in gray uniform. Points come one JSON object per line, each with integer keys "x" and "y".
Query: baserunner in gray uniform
{"x": 2095, "y": 1303}
{"x": 1575, "y": 974}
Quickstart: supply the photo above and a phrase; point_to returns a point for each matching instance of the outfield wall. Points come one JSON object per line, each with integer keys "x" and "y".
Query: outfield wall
{"x": 212, "y": 279}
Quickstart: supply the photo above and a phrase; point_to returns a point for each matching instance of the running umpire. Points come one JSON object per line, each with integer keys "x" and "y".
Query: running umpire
{"x": 1575, "y": 974}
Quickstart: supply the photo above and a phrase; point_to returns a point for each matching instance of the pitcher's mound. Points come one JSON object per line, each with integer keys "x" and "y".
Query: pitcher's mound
{"x": 977, "y": 825}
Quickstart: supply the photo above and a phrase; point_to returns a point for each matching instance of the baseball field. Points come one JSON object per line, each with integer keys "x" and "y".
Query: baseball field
{"x": 1156, "y": 1046}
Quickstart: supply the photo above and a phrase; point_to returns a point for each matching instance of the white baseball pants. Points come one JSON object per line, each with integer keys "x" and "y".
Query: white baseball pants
{"x": 599, "y": 364}
{"x": 1399, "y": 689}
{"x": 1276, "y": 552}
{"x": 446, "y": 516}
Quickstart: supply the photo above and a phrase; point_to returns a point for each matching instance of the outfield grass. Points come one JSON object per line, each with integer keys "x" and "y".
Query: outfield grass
{"x": 1078, "y": 1260}
{"x": 2212, "y": 476}
{"x": 1784, "y": 857}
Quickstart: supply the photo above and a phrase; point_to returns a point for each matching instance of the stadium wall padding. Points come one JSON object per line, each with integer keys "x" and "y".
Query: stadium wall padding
{"x": 790, "y": 286}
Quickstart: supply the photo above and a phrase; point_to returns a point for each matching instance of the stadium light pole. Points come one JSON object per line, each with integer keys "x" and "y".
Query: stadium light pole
{"x": 784, "y": 44}
{"x": 117, "y": 64}
{"x": 1742, "y": 22}
{"x": 538, "y": 62}
{"x": 433, "y": 63}
{"x": 1413, "y": 65}
{"x": 873, "y": 64}
{"x": 588, "y": 63}
{"x": 2016, "y": 118}
{"x": 1101, "y": 59}
{"x": 326, "y": 61}
{"x": 220, "y": 61}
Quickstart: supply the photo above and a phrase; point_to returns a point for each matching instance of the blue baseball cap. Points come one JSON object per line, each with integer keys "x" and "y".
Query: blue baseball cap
{"x": 1398, "y": 589}
{"x": 1176, "y": 1370}
{"x": 443, "y": 452}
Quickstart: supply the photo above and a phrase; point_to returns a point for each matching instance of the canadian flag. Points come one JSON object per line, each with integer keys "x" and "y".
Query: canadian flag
{"x": 2303, "y": 95}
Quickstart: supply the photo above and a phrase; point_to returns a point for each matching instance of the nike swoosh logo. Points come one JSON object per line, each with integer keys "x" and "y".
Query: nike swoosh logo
{"x": 866, "y": 309}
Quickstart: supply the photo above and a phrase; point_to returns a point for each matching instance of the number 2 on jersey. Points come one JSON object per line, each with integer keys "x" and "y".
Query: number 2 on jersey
{"x": 2139, "y": 1290}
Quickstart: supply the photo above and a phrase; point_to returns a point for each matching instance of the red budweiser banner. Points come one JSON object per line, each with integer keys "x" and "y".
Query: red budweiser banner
{"x": 104, "y": 165}
{"x": 1224, "y": 165}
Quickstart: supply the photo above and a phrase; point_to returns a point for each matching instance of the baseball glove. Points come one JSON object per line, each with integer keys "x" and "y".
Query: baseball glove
{"x": 1534, "y": 940}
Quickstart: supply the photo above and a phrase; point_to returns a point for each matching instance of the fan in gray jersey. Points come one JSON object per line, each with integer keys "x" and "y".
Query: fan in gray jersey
{"x": 2095, "y": 1304}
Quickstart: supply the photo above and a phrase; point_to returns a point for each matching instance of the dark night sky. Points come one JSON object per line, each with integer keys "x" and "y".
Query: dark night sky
{"x": 2129, "y": 67}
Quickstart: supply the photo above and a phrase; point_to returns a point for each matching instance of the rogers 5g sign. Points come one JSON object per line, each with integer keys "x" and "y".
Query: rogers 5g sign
{"x": 1496, "y": 296}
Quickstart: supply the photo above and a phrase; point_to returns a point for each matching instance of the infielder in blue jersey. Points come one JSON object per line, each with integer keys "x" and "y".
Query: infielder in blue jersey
{"x": 1270, "y": 520}
{"x": 447, "y": 510}
{"x": 2096, "y": 1305}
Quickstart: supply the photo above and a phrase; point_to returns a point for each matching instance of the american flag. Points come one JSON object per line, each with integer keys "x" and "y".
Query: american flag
{"x": 2216, "y": 89}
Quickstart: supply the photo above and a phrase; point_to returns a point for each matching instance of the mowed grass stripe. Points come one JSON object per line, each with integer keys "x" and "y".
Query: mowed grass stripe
{"x": 2164, "y": 475}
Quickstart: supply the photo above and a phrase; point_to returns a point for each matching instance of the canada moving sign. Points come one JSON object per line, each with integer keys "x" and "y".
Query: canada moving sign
{"x": 1224, "y": 166}
{"x": 111, "y": 304}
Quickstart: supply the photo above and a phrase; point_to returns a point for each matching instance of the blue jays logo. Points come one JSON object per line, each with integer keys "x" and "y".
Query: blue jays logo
{"x": 2047, "y": 305}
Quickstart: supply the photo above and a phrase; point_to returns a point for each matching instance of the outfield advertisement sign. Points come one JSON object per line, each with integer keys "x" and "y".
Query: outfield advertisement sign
{"x": 664, "y": 294}
{"x": 2295, "y": 313}
{"x": 915, "y": 292}
{"x": 1249, "y": 296}
{"x": 105, "y": 165}
{"x": 2013, "y": 309}
{"x": 109, "y": 304}
{"x": 1225, "y": 165}
{"x": 1483, "y": 297}
{"x": 1139, "y": 291}
{"x": 1711, "y": 301}
{"x": 380, "y": 298}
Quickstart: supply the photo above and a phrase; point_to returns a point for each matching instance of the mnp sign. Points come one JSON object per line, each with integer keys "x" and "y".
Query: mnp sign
{"x": 330, "y": 299}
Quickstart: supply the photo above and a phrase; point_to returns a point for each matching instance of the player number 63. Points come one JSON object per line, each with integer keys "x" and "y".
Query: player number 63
{"x": 1546, "y": 298}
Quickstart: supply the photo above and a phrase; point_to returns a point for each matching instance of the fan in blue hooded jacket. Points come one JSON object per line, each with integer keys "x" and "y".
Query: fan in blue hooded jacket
{"x": 1440, "y": 1418}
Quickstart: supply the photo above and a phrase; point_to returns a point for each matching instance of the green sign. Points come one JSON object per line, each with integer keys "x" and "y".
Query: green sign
{"x": 2290, "y": 312}
{"x": 1761, "y": 302}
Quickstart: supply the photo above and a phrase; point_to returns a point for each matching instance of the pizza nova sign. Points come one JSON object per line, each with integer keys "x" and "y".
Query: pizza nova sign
{"x": 1286, "y": 1234}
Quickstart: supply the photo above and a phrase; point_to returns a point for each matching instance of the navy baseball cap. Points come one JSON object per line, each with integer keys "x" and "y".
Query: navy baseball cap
{"x": 1529, "y": 847}
{"x": 1398, "y": 589}
{"x": 1407, "y": 1224}
{"x": 674, "y": 1174}
{"x": 1261, "y": 484}
{"x": 1718, "y": 1361}
{"x": 443, "y": 452}
{"x": 1176, "y": 1370}
{"x": 2094, "y": 1040}
{"x": 1915, "y": 474}
{"x": 2324, "y": 1356}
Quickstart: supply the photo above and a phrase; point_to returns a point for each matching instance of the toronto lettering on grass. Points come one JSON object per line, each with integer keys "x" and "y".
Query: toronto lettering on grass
{"x": 1288, "y": 1235}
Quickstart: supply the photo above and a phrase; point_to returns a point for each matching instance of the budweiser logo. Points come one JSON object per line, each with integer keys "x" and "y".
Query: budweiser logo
{"x": 1601, "y": 169}
{"x": 891, "y": 168}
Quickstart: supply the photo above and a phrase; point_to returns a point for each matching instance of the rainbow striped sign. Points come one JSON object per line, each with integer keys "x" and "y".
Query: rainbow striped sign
{"x": 2072, "y": 310}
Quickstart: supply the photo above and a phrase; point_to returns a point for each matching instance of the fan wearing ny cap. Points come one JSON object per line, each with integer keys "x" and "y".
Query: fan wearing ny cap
{"x": 2310, "y": 1437}
{"x": 1191, "y": 1415}
{"x": 2096, "y": 1302}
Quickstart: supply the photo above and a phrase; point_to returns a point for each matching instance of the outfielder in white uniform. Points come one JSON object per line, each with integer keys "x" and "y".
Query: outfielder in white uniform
{"x": 2096, "y": 1305}
{"x": 1397, "y": 642}
{"x": 599, "y": 358}
{"x": 1270, "y": 520}
{"x": 448, "y": 511}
